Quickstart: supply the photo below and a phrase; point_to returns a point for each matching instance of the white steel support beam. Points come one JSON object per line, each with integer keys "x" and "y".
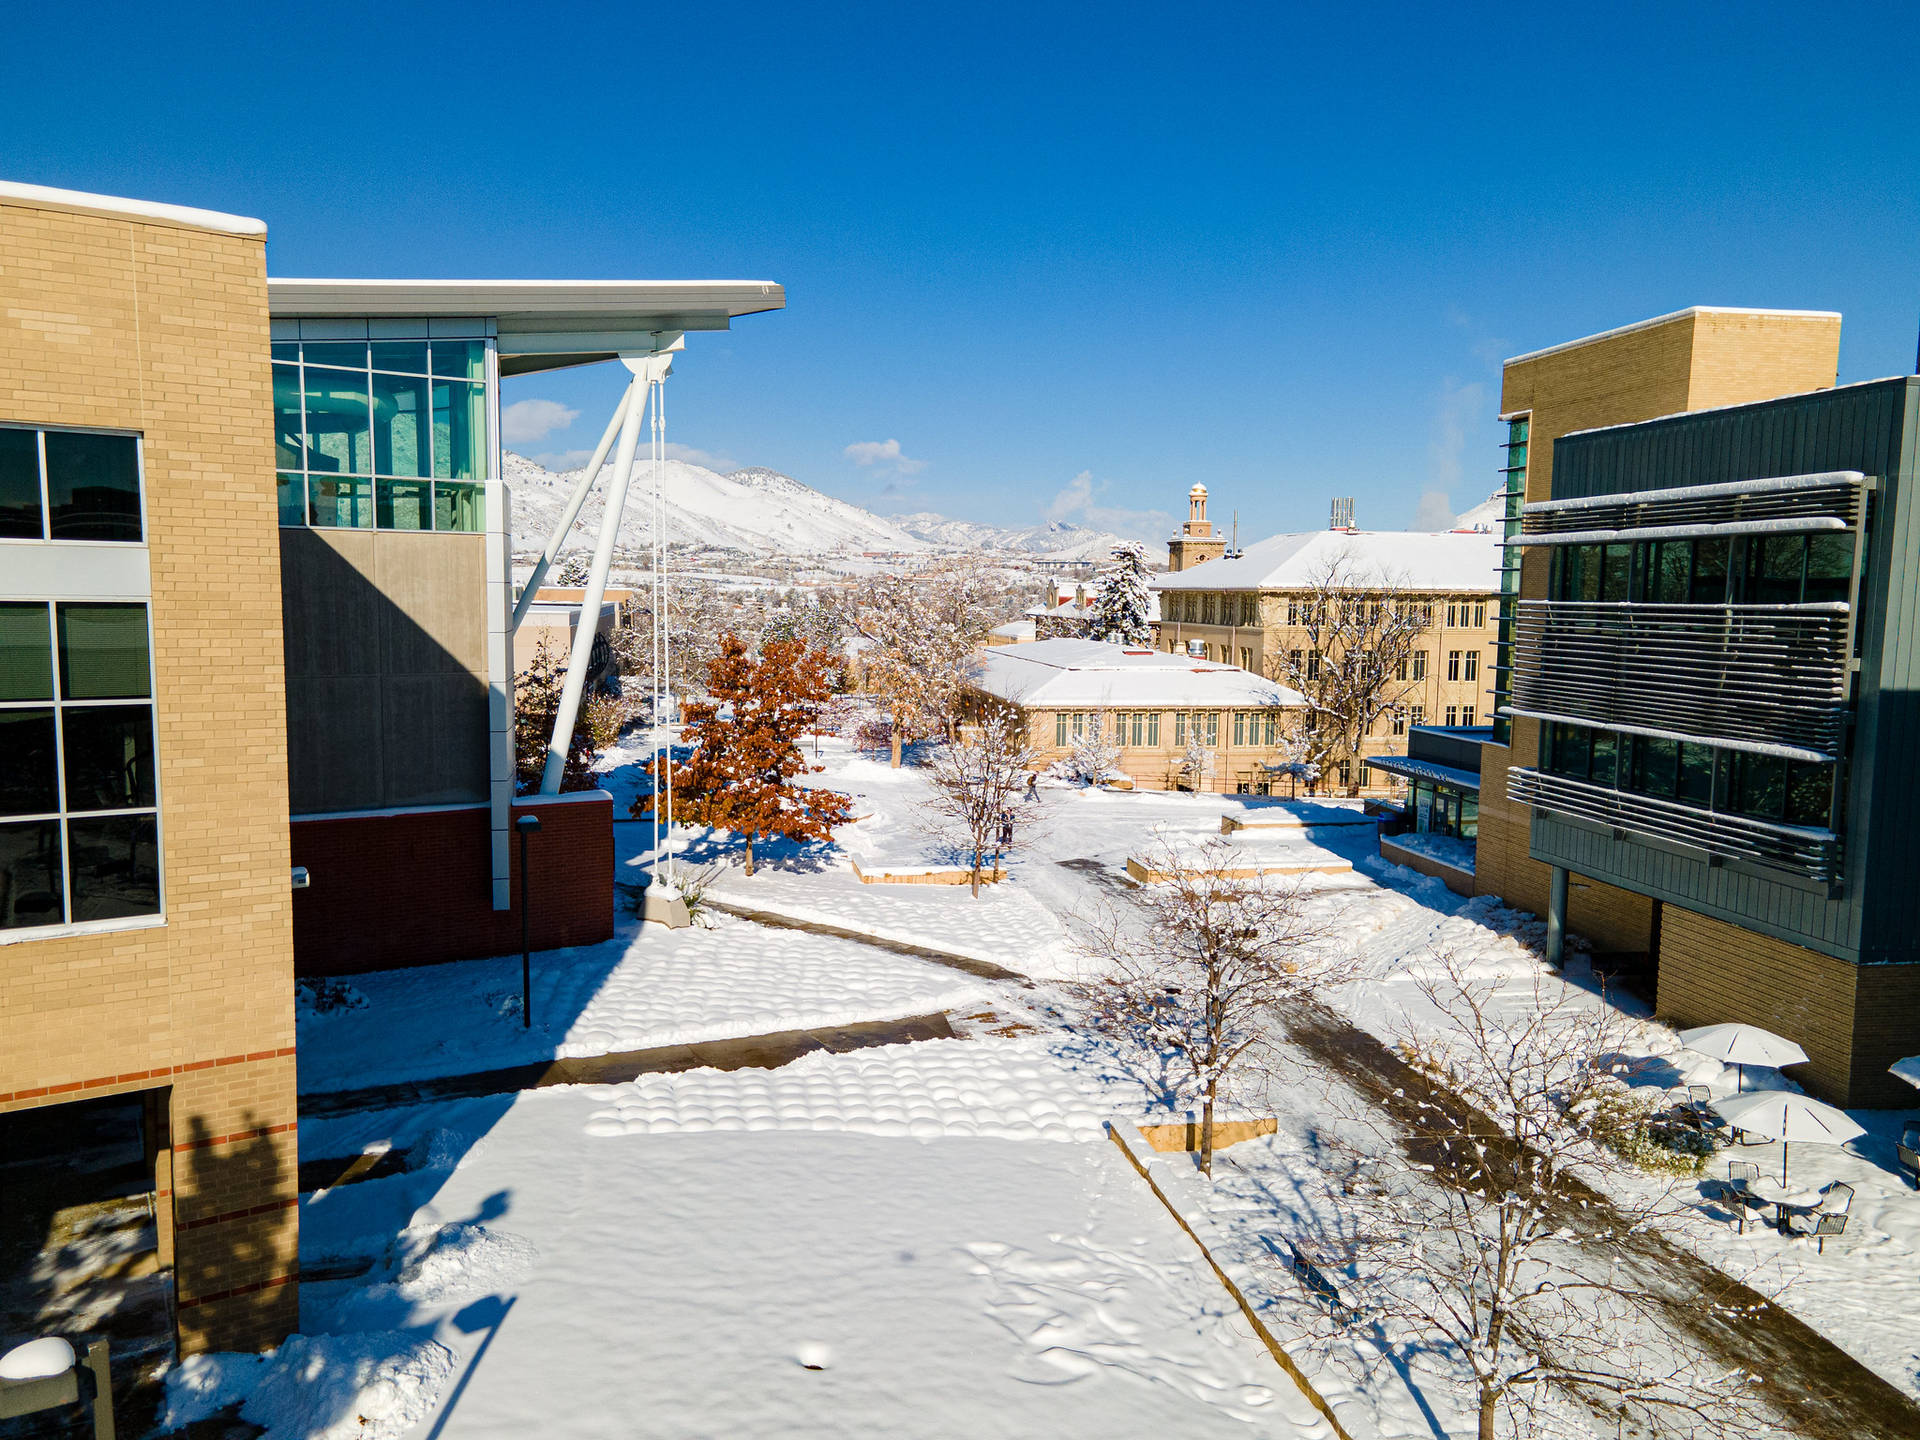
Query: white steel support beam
{"x": 647, "y": 371}
{"x": 572, "y": 512}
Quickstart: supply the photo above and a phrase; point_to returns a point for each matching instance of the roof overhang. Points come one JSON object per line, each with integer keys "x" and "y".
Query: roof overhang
{"x": 541, "y": 324}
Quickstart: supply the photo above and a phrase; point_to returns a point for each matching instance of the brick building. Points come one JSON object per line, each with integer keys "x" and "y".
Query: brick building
{"x": 1249, "y": 609}
{"x": 1693, "y": 359}
{"x": 255, "y": 629}
{"x": 1150, "y": 705}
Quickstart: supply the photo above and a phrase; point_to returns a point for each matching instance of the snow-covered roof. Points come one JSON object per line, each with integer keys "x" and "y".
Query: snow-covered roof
{"x": 46, "y": 197}
{"x": 1018, "y": 630}
{"x": 1406, "y": 559}
{"x": 1094, "y": 674}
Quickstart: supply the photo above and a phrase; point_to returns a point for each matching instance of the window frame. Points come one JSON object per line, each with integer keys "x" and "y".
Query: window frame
{"x": 63, "y": 814}
{"x": 46, "y": 536}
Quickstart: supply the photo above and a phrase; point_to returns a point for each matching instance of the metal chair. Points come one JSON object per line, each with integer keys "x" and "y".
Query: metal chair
{"x": 1832, "y": 1223}
{"x": 1907, "y": 1151}
{"x": 1740, "y": 1174}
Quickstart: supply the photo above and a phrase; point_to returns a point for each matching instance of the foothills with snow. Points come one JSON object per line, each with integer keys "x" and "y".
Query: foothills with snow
{"x": 763, "y": 512}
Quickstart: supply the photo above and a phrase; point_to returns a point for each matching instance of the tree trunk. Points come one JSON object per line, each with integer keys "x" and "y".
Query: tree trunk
{"x": 1489, "y": 1411}
{"x": 750, "y": 856}
{"x": 894, "y": 742}
{"x": 1206, "y": 1129}
{"x": 976, "y": 875}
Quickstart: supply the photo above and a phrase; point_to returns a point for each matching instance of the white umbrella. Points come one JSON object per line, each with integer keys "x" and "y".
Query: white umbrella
{"x": 1743, "y": 1045}
{"x": 1907, "y": 1069}
{"x": 1786, "y": 1116}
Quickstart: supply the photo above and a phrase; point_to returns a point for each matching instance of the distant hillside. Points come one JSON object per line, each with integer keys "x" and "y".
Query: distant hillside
{"x": 762, "y": 512}
{"x": 755, "y": 511}
{"x": 1053, "y": 540}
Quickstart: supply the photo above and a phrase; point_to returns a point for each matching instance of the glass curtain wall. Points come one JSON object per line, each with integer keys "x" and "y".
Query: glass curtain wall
{"x": 383, "y": 434}
{"x": 1514, "y": 472}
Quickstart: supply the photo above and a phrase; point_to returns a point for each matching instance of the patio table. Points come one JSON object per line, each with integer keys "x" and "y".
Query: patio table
{"x": 1784, "y": 1198}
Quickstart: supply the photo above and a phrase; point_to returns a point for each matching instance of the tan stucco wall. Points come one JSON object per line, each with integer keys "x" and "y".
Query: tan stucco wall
{"x": 161, "y": 328}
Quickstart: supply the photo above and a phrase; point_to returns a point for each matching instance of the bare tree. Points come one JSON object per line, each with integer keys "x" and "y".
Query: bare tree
{"x": 976, "y": 783}
{"x": 1492, "y": 1248}
{"x": 1361, "y": 630}
{"x": 923, "y": 627}
{"x": 1196, "y": 972}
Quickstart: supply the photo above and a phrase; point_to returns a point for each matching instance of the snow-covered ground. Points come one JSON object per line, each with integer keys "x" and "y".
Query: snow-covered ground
{"x": 941, "y": 1227}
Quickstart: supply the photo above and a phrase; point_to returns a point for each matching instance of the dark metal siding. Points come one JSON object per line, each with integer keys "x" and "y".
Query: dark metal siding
{"x": 1444, "y": 747}
{"x": 1859, "y": 427}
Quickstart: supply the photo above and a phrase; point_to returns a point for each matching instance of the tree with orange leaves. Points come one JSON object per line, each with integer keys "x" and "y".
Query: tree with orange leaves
{"x": 746, "y": 751}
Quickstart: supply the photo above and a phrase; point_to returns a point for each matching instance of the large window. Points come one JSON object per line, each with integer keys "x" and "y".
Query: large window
{"x": 387, "y": 434}
{"x": 79, "y": 793}
{"x": 1706, "y": 777}
{"x": 1750, "y": 570}
{"x": 69, "y": 485}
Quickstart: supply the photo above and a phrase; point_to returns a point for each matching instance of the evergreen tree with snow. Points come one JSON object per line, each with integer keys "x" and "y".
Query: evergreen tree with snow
{"x": 1121, "y": 602}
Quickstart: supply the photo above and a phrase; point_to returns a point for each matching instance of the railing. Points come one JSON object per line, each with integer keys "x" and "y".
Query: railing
{"x": 1786, "y": 502}
{"x": 1759, "y": 674}
{"x": 1814, "y": 854}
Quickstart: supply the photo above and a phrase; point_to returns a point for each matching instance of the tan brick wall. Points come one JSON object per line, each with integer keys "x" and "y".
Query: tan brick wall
{"x": 1746, "y": 356}
{"x": 162, "y": 328}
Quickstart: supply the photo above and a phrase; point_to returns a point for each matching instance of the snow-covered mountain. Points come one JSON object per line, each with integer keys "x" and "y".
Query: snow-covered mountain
{"x": 757, "y": 511}
{"x": 1053, "y": 540}
{"x": 760, "y": 511}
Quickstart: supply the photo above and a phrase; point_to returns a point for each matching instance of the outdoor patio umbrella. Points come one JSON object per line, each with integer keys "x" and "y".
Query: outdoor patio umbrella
{"x": 1786, "y": 1116}
{"x": 1907, "y": 1069}
{"x": 1741, "y": 1046}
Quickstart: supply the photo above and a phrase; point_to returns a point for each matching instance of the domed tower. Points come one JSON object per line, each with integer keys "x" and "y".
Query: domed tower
{"x": 1196, "y": 543}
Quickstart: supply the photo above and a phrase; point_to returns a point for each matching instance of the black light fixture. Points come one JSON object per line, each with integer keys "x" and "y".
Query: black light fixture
{"x": 526, "y": 825}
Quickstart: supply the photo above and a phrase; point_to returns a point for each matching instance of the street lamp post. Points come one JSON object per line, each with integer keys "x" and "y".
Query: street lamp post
{"x": 526, "y": 825}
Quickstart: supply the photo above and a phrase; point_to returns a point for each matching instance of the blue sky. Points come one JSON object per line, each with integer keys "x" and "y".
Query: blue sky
{"x": 1045, "y": 260}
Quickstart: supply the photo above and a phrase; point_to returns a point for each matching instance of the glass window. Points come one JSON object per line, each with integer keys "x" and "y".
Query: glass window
{"x": 1777, "y": 563}
{"x": 32, "y": 886}
{"x": 1153, "y": 727}
{"x": 65, "y": 753}
{"x": 459, "y": 430}
{"x": 108, "y": 750}
{"x": 1179, "y": 728}
{"x": 286, "y": 350}
{"x": 1605, "y": 756}
{"x": 407, "y": 356}
{"x": 339, "y": 438}
{"x": 352, "y": 354}
{"x": 1060, "y": 728}
{"x": 458, "y": 506}
{"x": 103, "y": 652}
{"x": 116, "y": 866}
{"x": 1572, "y": 747}
{"x": 93, "y": 486}
{"x": 291, "y": 491}
{"x": 1616, "y": 570}
{"x": 1669, "y": 570}
{"x": 1586, "y": 577}
{"x": 403, "y": 504}
{"x": 1239, "y": 727}
{"x": 340, "y": 504}
{"x": 1213, "y": 728}
{"x": 1759, "y": 784}
{"x": 287, "y": 440}
{"x": 28, "y": 775}
{"x": 461, "y": 359}
{"x": 1709, "y": 573}
{"x": 1655, "y": 766}
{"x": 400, "y": 427}
{"x": 1829, "y": 567}
{"x": 26, "y": 652}
{"x": 1809, "y": 793}
{"x": 1696, "y": 774}
{"x": 20, "y": 517}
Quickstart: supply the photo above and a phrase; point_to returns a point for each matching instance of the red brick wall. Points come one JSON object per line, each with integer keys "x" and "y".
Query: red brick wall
{"x": 413, "y": 888}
